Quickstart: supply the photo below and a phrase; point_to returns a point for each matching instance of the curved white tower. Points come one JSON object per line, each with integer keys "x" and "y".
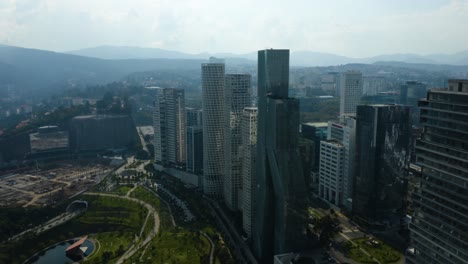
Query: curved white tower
{"x": 213, "y": 127}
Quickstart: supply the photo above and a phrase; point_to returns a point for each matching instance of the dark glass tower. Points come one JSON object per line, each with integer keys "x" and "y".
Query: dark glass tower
{"x": 439, "y": 227}
{"x": 382, "y": 160}
{"x": 280, "y": 192}
{"x": 410, "y": 94}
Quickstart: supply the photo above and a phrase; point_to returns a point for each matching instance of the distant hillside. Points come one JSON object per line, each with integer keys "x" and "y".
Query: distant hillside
{"x": 122, "y": 53}
{"x": 40, "y": 71}
{"x": 298, "y": 58}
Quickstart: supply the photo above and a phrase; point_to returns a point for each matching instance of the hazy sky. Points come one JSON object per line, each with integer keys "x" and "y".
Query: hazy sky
{"x": 348, "y": 27}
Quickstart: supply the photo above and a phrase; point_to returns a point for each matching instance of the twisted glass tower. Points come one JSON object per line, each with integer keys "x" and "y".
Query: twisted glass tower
{"x": 280, "y": 195}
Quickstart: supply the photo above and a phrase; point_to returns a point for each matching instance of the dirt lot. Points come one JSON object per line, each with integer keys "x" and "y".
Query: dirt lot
{"x": 38, "y": 187}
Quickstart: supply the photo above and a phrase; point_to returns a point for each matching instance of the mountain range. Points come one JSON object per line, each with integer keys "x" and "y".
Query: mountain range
{"x": 38, "y": 73}
{"x": 298, "y": 58}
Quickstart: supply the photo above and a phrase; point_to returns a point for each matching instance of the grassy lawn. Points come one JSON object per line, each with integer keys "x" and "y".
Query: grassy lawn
{"x": 104, "y": 214}
{"x": 123, "y": 189}
{"x": 149, "y": 226}
{"x": 380, "y": 251}
{"x": 114, "y": 211}
{"x": 178, "y": 246}
{"x": 112, "y": 245}
{"x": 149, "y": 197}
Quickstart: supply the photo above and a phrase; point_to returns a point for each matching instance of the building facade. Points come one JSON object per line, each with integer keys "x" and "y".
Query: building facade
{"x": 440, "y": 221}
{"x": 410, "y": 94}
{"x": 331, "y": 173}
{"x": 169, "y": 127}
{"x": 213, "y": 127}
{"x": 249, "y": 151}
{"x": 236, "y": 98}
{"x": 195, "y": 149}
{"x": 345, "y": 133}
{"x": 194, "y": 140}
{"x": 280, "y": 193}
{"x": 100, "y": 132}
{"x": 350, "y": 86}
{"x": 193, "y": 116}
{"x": 382, "y": 161}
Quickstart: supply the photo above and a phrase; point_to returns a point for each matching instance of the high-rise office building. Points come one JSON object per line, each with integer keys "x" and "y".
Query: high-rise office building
{"x": 193, "y": 116}
{"x": 213, "y": 126}
{"x": 331, "y": 171}
{"x": 169, "y": 127}
{"x": 372, "y": 85}
{"x": 350, "y": 86}
{"x": 195, "y": 149}
{"x": 280, "y": 192}
{"x": 314, "y": 132}
{"x": 236, "y": 98}
{"x": 382, "y": 160}
{"x": 440, "y": 221}
{"x": 345, "y": 132}
{"x": 249, "y": 151}
{"x": 410, "y": 94}
{"x": 194, "y": 140}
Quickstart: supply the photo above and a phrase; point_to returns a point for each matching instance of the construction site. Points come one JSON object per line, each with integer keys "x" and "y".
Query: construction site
{"x": 40, "y": 187}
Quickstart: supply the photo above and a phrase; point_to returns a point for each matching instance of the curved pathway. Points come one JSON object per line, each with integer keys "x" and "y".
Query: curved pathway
{"x": 212, "y": 245}
{"x": 150, "y": 236}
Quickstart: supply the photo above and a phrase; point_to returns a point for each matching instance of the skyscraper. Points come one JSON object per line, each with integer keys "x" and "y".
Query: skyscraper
{"x": 236, "y": 98}
{"x": 280, "y": 192}
{"x": 193, "y": 116}
{"x": 410, "y": 94}
{"x": 213, "y": 127}
{"x": 169, "y": 127}
{"x": 195, "y": 149}
{"x": 440, "y": 220}
{"x": 350, "y": 86}
{"x": 194, "y": 140}
{"x": 382, "y": 160}
{"x": 249, "y": 150}
{"x": 345, "y": 132}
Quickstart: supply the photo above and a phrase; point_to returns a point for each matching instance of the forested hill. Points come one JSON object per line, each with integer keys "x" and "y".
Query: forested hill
{"x": 39, "y": 72}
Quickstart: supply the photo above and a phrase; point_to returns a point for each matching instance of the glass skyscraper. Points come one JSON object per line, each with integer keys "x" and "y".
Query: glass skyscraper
{"x": 280, "y": 192}
{"x": 382, "y": 160}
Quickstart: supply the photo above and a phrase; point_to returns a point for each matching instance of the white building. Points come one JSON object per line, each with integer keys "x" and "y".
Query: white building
{"x": 169, "y": 127}
{"x": 331, "y": 171}
{"x": 345, "y": 133}
{"x": 350, "y": 87}
{"x": 213, "y": 126}
{"x": 237, "y": 97}
{"x": 249, "y": 148}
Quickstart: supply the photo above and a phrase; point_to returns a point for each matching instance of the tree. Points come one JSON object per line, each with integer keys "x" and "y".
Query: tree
{"x": 326, "y": 228}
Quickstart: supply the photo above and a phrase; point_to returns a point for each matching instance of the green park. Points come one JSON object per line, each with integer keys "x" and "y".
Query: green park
{"x": 118, "y": 222}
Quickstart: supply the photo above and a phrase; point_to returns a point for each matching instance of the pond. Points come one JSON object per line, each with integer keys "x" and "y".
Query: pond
{"x": 56, "y": 254}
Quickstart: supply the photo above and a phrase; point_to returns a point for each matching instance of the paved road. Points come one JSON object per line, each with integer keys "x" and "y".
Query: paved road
{"x": 150, "y": 236}
{"x": 240, "y": 247}
{"x": 60, "y": 219}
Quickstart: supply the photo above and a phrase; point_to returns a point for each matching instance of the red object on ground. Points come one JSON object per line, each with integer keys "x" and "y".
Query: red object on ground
{"x": 77, "y": 244}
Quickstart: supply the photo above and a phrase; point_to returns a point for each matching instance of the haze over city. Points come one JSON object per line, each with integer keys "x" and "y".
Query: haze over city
{"x": 251, "y": 132}
{"x": 349, "y": 28}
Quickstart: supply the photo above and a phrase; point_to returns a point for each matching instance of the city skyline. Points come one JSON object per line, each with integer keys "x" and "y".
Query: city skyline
{"x": 349, "y": 28}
